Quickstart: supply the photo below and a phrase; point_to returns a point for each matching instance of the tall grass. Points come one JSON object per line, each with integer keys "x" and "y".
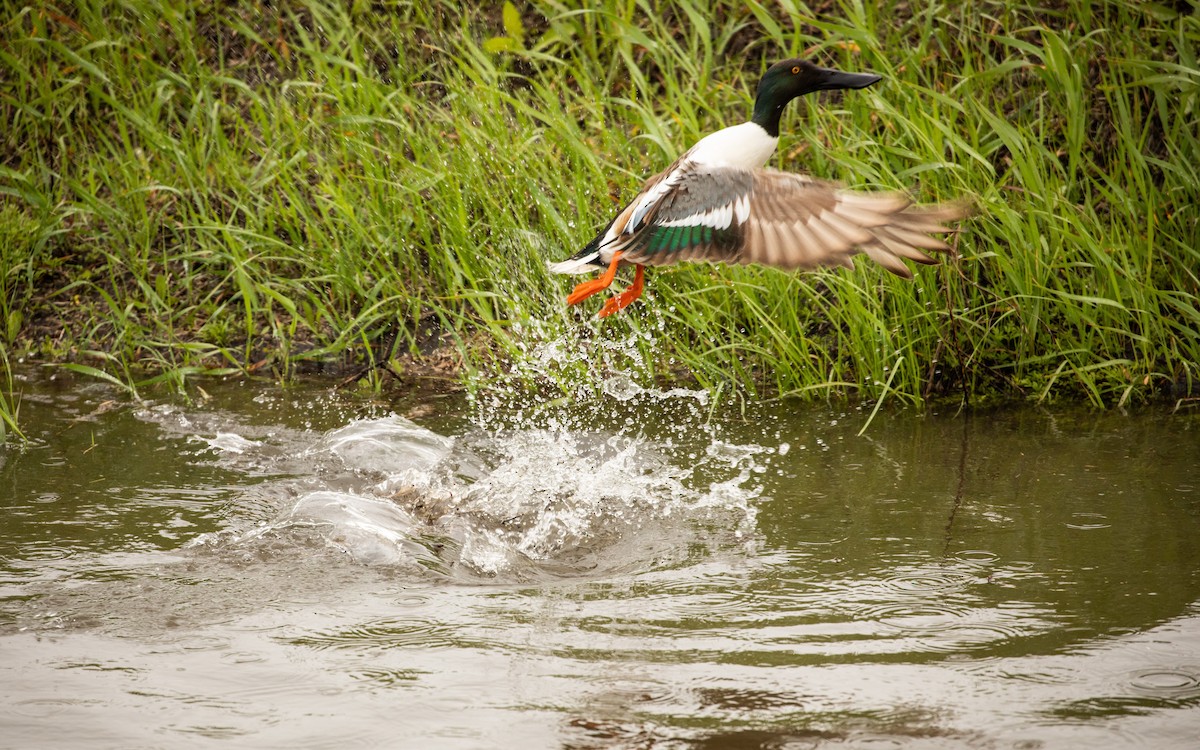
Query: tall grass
{"x": 190, "y": 189}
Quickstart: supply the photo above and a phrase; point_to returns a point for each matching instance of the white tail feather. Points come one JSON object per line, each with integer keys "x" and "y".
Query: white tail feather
{"x": 575, "y": 265}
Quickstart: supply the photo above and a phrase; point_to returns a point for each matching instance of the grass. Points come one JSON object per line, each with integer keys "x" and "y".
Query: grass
{"x": 188, "y": 189}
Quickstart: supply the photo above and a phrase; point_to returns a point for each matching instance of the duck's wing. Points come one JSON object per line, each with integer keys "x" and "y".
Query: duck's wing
{"x": 777, "y": 219}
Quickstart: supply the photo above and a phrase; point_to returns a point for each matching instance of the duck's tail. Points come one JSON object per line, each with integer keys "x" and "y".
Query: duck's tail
{"x": 584, "y": 261}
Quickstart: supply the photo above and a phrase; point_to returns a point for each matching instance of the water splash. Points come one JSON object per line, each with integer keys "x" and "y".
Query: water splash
{"x": 617, "y": 473}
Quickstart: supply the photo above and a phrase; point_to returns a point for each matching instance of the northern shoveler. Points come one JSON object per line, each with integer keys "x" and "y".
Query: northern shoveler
{"x": 717, "y": 203}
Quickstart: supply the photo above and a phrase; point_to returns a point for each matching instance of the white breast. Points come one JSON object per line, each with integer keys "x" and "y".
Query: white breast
{"x": 746, "y": 146}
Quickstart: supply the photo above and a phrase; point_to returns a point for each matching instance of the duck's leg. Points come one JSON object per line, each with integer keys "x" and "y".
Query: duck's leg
{"x": 600, "y": 283}
{"x": 625, "y": 298}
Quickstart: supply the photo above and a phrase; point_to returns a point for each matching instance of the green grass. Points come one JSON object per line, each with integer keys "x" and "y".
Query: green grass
{"x": 189, "y": 189}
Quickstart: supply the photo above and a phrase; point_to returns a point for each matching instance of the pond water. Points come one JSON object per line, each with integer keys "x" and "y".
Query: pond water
{"x": 270, "y": 567}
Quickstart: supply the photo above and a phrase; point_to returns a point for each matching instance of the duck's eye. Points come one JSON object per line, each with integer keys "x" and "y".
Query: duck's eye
{"x": 795, "y": 69}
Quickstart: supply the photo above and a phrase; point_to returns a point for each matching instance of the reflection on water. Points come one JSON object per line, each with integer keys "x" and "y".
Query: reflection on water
{"x": 614, "y": 570}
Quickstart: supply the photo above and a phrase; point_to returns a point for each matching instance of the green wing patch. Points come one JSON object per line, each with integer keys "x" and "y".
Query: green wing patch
{"x": 672, "y": 239}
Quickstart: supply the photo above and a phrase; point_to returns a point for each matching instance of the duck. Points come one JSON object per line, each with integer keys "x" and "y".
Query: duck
{"x": 718, "y": 203}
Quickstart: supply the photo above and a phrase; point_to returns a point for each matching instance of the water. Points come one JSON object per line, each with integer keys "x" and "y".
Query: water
{"x": 302, "y": 568}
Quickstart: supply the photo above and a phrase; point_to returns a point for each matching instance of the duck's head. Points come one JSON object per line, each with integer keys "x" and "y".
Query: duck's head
{"x": 788, "y": 79}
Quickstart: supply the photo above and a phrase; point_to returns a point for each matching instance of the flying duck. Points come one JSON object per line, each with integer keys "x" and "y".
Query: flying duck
{"x": 717, "y": 203}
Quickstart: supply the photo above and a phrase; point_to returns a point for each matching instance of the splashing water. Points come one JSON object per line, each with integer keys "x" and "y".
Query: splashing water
{"x": 617, "y": 474}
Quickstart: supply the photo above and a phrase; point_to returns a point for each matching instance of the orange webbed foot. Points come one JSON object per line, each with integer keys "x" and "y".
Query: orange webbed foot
{"x": 626, "y": 298}
{"x": 600, "y": 283}
{"x": 585, "y": 290}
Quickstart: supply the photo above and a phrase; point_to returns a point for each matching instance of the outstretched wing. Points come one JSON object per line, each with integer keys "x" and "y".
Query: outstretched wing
{"x": 779, "y": 219}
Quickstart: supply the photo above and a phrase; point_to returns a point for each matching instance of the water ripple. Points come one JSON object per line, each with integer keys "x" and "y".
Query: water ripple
{"x": 915, "y": 617}
{"x": 977, "y": 557}
{"x": 929, "y": 581}
{"x": 387, "y": 678}
{"x": 383, "y": 635}
{"x": 1045, "y": 675}
{"x": 1167, "y": 682}
{"x": 1089, "y": 521}
{"x": 45, "y": 552}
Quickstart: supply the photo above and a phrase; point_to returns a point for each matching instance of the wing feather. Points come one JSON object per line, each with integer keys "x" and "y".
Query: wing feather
{"x": 724, "y": 214}
{"x": 854, "y": 234}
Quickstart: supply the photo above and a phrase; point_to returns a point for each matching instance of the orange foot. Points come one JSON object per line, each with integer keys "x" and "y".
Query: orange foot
{"x": 625, "y": 298}
{"x": 600, "y": 283}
